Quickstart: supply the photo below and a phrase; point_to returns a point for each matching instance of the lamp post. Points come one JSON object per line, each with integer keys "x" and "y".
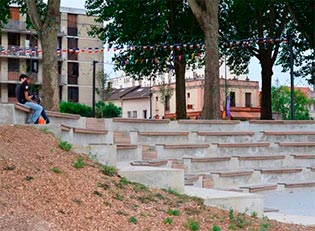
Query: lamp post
{"x": 93, "y": 90}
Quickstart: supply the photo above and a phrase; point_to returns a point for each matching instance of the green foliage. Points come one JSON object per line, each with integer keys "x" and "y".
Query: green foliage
{"x": 109, "y": 170}
{"x": 173, "y": 212}
{"x": 108, "y": 110}
{"x": 281, "y": 102}
{"x": 168, "y": 221}
{"x": 133, "y": 219}
{"x": 238, "y": 221}
{"x": 192, "y": 224}
{"x": 75, "y": 108}
{"x": 55, "y": 170}
{"x": 254, "y": 214}
{"x": 216, "y": 228}
{"x": 64, "y": 145}
{"x": 79, "y": 163}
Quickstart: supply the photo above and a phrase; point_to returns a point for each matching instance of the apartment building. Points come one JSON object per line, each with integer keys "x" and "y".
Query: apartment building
{"x": 20, "y": 52}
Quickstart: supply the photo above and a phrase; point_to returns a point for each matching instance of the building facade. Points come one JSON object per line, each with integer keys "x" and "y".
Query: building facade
{"x": 20, "y": 52}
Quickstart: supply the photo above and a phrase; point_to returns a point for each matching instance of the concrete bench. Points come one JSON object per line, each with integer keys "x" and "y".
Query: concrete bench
{"x": 233, "y": 173}
{"x": 287, "y": 133}
{"x": 259, "y": 188}
{"x": 297, "y": 184}
{"x": 296, "y": 144}
{"x": 279, "y": 170}
{"x": 220, "y": 122}
{"x": 22, "y": 107}
{"x": 63, "y": 115}
{"x": 146, "y": 134}
{"x": 225, "y": 133}
{"x": 150, "y": 163}
{"x": 130, "y": 120}
{"x": 185, "y": 146}
{"x": 242, "y": 145}
{"x": 261, "y": 157}
{"x": 274, "y": 122}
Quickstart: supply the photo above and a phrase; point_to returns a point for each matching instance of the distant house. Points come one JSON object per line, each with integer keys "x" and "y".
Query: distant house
{"x": 135, "y": 102}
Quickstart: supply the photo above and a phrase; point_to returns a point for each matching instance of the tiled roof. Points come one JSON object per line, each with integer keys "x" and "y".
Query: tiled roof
{"x": 130, "y": 93}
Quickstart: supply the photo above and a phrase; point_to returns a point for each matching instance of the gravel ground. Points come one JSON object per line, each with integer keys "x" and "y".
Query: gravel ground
{"x": 41, "y": 190}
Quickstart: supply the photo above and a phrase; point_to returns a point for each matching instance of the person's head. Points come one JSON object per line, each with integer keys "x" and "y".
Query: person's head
{"x": 22, "y": 77}
{"x": 29, "y": 79}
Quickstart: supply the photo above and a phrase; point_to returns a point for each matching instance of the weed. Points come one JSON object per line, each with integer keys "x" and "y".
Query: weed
{"x": 254, "y": 214}
{"x": 107, "y": 204}
{"x": 119, "y": 197}
{"x": 9, "y": 167}
{"x": 122, "y": 182}
{"x": 231, "y": 214}
{"x": 44, "y": 130}
{"x": 78, "y": 201}
{"x": 64, "y": 145}
{"x": 192, "y": 224}
{"x": 122, "y": 213}
{"x": 103, "y": 186}
{"x": 238, "y": 221}
{"x": 264, "y": 226}
{"x": 55, "y": 170}
{"x": 232, "y": 227}
{"x": 160, "y": 196}
{"x": 109, "y": 170}
{"x": 132, "y": 219}
{"x": 183, "y": 197}
{"x": 173, "y": 212}
{"x": 97, "y": 193}
{"x": 168, "y": 221}
{"x": 146, "y": 199}
{"x": 79, "y": 163}
{"x": 216, "y": 228}
{"x": 93, "y": 157}
{"x": 139, "y": 187}
{"x": 192, "y": 211}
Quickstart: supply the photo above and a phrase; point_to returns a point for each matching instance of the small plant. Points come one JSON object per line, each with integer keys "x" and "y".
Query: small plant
{"x": 264, "y": 226}
{"x": 103, "y": 186}
{"x": 216, "y": 228}
{"x": 55, "y": 170}
{"x": 132, "y": 219}
{"x": 79, "y": 163}
{"x": 232, "y": 226}
{"x": 119, "y": 197}
{"x": 64, "y": 145}
{"x": 139, "y": 187}
{"x": 192, "y": 224}
{"x": 231, "y": 214}
{"x": 107, "y": 204}
{"x": 160, "y": 196}
{"x": 109, "y": 170}
{"x": 97, "y": 193}
{"x": 173, "y": 212}
{"x": 254, "y": 214}
{"x": 44, "y": 130}
{"x": 168, "y": 221}
{"x": 122, "y": 182}
{"x": 146, "y": 199}
{"x": 122, "y": 213}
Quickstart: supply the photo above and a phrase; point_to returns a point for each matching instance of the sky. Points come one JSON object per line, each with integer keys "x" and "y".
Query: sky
{"x": 254, "y": 67}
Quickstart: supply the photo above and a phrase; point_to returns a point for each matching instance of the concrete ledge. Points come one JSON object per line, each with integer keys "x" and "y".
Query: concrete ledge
{"x": 185, "y": 146}
{"x": 150, "y": 163}
{"x": 209, "y": 159}
{"x": 303, "y": 156}
{"x": 126, "y": 146}
{"x": 259, "y": 188}
{"x": 282, "y": 122}
{"x": 225, "y": 133}
{"x": 63, "y": 115}
{"x": 89, "y": 131}
{"x": 163, "y": 133}
{"x": 208, "y": 121}
{"x": 279, "y": 171}
{"x": 155, "y": 177}
{"x": 22, "y": 107}
{"x": 296, "y": 144}
{"x": 233, "y": 173}
{"x": 65, "y": 128}
{"x": 241, "y": 202}
{"x": 127, "y": 120}
{"x": 242, "y": 145}
{"x": 298, "y": 184}
{"x": 288, "y": 133}
{"x": 261, "y": 157}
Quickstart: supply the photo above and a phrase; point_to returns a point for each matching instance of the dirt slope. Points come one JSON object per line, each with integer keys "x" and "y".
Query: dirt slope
{"x": 41, "y": 190}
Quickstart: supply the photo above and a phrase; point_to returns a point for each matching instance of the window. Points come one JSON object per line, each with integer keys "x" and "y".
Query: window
{"x": 145, "y": 114}
{"x": 248, "y": 102}
{"x": 13, "y": 39}
{"x": 188, "y": 95}
{"x": 72, "y": 45}
{"x": 156, "y": 98}
{"x": 72, "y": 25}
{"x": 73, "y": 94}
{"x": 33, "y": 41}
{"x": 13, "y": 65}
{"x": 73, "y": 73}
{"x": 167, "y": 103}
{"x": 11, "y": 90}
{"x": 15, "y": 13}
{"x": 190, "y": 106}
{"x": 134, "y": 114}
{"x": 232, "y": 98}
{"x": 129, "y": 114}
{"x": 32, "y": 66}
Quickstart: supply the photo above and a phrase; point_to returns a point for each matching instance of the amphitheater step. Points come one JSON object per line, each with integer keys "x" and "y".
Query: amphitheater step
{"x": 261, "y": 161}
{"x": 282, "y": 174}
{"x": 150, "y": 163}
{"x": 259, "y": 188}
{"x": 298, "y": 184}
{"x": 162, "y": 137}
{"x": 292, "y": 136}
{"x": 233, "y": 178}
{"x": 251, "y": 148}
{"x": 149, "y": 152}
{"x": 206, "y": 164}
{"x": 128, "y": 152}
{"x": 121, "y": 137}
{"x": 224, "y": 137}
{"x": 177, "y": 151}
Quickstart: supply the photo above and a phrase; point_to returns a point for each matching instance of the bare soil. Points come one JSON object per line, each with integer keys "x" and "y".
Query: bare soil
{"x": 40, "y": 189}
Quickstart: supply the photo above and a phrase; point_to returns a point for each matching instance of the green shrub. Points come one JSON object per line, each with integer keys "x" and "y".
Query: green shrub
{"x": 192, "y": 224}
{"x": 55, "y": 170}
{"x": 173, "y": 212}
{"x": 168, "y": 221}
{"x": 132, "y": 219}
{"x": 64, "y": 145}
{"x": 216, "y": 228}
{"x": 109, "y": 170}
{"x": 79, "y": 163}
{"x": 76, "y": 108}
{"x": 109, "y": 110}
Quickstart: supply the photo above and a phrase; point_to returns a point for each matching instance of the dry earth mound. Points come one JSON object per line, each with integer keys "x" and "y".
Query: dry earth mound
{"x": 43, "y": 187}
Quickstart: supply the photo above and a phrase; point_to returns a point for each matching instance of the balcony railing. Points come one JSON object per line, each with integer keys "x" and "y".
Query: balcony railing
{"x": 19, "y": 51}
{"x": 15, "y": 25}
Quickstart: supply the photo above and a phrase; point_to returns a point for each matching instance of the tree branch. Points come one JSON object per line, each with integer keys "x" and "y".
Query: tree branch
{"x": 254, "y": 51}
{"x": 34, "y": 15}
{"x": 196, "y": 9}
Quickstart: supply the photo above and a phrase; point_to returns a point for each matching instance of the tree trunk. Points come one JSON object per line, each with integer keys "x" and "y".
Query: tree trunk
{"x": 180, "y": 67}
{"x": 206, "y": 13}
{"x": 47, "y": 32}
{"x": 266, "y": 76}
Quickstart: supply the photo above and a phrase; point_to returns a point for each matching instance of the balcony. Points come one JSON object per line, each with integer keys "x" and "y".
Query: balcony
{"x": 13, "y": 76}
{"x": 17, "y": 51}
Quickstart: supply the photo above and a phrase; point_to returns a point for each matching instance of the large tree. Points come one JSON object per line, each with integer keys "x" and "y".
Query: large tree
{"x": 206, "y": 12}
{"x": 45, "y": 19}
{"x": 261, "y": 21}
{"x": 152, "y": 36}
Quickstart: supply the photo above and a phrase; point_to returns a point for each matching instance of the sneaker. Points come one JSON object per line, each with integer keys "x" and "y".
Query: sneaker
{"x": 47, "y": 121}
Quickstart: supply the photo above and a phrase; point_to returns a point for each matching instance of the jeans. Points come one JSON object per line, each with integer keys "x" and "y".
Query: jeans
{"x": 37, "y": 111}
